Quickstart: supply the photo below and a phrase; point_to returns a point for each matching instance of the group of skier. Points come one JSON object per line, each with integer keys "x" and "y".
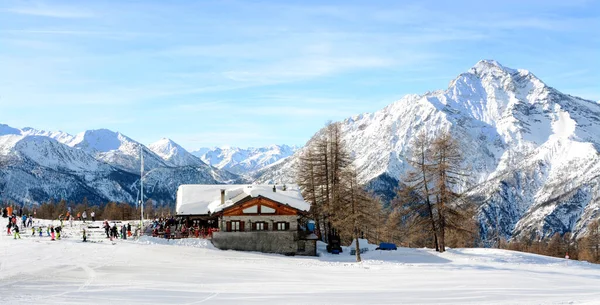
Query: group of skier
{"x": 54, "y": 232}
{"x": 13, "y": 225}
{"x": 113, "y": 232}
{"x": 82, "y": 216}
{"x": 8, "y": 211}
{"x": 12, "y": 228}
{"x": 26, "y": 220}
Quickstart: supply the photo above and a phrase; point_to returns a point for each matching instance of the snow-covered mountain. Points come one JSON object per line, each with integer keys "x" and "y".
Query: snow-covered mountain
{"x": 533, "y": 151}
{"x": 244, "y": 161}
{"x": 100, "y": 164}
{"x": 37, "y": 168}
{"x": 173, "y": 154}
{"x": 59, "y": 136}
{"x": 116, "y": 149}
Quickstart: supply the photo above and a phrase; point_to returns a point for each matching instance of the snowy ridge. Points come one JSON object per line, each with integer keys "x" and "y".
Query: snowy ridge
{"x": 100, "y": 165}
{"x": 532, "y": 151}
{"x": 59, "y": 136}
{"x": 244, "y": 161}
{"x": 116, "y": 149}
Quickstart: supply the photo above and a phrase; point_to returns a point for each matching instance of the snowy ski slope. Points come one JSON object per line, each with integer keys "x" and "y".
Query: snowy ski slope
{"x": 35, "y": 270}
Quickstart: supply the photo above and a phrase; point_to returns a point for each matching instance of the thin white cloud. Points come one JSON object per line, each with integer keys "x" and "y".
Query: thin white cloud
{"x": 80, "y": 34}
{"x": 305, "y": 68}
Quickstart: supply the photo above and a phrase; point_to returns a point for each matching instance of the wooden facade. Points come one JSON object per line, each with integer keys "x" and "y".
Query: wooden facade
{"x": 264, "y": 207}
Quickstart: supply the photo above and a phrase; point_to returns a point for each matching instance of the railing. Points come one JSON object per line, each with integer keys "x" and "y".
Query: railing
{"x": 205, "y": 234}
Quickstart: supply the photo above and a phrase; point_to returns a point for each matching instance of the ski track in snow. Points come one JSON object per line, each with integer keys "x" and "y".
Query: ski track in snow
{"x": 36, "y": 270}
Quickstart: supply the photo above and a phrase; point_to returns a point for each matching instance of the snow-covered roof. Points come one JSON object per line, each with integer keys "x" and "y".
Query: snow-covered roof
{"x": 200, "y": 199}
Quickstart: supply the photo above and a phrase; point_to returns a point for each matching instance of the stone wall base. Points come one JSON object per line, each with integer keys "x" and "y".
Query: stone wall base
{"x": 281, "y": 242}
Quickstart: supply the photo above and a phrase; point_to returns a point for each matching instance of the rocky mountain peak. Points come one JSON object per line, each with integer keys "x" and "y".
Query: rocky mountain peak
{"x": 174, "y": 154}
{"x": 529, "y": 148}
{"x": 488, "y": 66}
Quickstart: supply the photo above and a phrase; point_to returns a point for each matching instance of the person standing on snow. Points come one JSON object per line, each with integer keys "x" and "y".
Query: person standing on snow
{"x": 84, "y": 216}
{"x": 113, "y": 232}
{"x": 84, "y": 236}
{"x": 129, "y": 229}
{"x": 93, "y": 214}
{"x": 16, "y": 230}
{"x": 52, "y": 232}
{"x": 8, "y": 226}
{"x": 106, "y": 228}
{"x": 58, "y": 229}
{"x": 40, "y": 230}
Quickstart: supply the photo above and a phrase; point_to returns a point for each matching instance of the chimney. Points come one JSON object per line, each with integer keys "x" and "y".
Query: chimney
{"x": 222, "y": 196}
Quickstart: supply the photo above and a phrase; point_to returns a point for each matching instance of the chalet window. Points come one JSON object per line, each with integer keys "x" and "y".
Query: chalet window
{"x": 282, "y": 226}
{"x": 266, "y": 210}
{"x": 251, "y": 210}
{"x": 260, "y": 226}
{"x": 234, "y": 226}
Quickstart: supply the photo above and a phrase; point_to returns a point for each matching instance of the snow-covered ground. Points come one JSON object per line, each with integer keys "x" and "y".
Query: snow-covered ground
{"x": 35, "y": 270}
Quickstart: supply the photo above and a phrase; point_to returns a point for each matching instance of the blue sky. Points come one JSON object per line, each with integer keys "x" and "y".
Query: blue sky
{"x": 254, "y": 73}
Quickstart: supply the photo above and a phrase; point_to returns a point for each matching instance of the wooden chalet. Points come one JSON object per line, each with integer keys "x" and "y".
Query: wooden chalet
{"x": 264, "y": 218}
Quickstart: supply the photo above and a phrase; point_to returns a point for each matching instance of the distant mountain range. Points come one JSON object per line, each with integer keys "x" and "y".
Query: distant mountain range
{"x": 533, "y": 151}
{"x": 244, "y": 161}
{"x": 103, "y": 165}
